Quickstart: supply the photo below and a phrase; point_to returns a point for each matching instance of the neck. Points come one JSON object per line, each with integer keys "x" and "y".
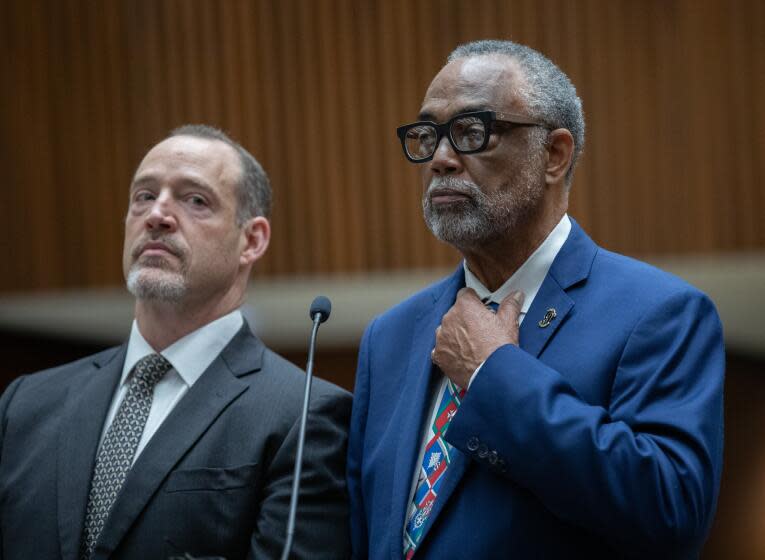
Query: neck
{"x": 494, "y": 262}
{"x": 163, "y": 323}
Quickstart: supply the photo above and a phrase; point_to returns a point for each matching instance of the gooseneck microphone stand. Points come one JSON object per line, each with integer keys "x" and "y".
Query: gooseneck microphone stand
{"x": 320, "y": 310}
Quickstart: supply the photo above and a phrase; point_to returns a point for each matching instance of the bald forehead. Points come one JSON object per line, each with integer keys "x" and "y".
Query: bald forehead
{"x": 217, "y": 158}
{"x": 475, "y": 83}
{"x": 197, "y": 150}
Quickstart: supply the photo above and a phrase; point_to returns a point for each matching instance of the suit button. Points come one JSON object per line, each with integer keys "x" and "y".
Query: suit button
{"x": 473, "y": 443}
{"x": 483, "y": 451}
{"x": 493, "y": 457}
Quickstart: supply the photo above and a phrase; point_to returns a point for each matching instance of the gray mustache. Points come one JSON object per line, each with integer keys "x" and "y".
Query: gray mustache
{"x": 457, "y": 185}
{"x": 168, "y": 242}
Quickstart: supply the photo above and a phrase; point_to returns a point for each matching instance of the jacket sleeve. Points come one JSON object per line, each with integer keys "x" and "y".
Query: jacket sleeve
{"x": 5, "y": 401}
{"x": 321, "y": 526}
{"x": 643, "y": 472}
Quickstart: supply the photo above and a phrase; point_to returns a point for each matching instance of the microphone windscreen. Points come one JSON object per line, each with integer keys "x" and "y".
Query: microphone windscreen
{"x": 322, "y": 306}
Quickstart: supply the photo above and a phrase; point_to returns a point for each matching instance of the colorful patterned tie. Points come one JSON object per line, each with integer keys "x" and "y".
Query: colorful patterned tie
{"x": 119, "y": 446}
{"x": 435, "y": 461}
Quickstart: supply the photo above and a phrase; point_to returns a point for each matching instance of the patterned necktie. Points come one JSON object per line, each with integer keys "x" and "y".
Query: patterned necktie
{"x": 118, "y": 448}
{"x": 435, "y": 461}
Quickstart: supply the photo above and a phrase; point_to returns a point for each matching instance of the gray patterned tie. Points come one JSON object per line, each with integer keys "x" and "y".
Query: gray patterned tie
{"x": 116, "y": 454}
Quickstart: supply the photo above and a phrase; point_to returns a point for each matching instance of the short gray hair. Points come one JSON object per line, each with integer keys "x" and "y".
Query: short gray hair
{"x": 549, "y": 93}
{"x": 254, "y": 188}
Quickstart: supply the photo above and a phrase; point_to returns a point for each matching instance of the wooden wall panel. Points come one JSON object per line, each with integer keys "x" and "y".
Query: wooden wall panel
{"x": 672, "y": 90}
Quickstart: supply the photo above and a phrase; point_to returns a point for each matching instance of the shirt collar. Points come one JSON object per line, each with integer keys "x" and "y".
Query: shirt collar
{"x": 191, "y": 355}
{"x": 529, "y": 277}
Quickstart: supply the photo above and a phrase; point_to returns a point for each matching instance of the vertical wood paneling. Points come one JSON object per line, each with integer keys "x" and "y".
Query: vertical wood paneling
{"x": 289, "y": 134}
{"x": 372, "y": 135}
{"x": 350, "y": 115}
{"x": 259, "y": 77}
{"x": 672, "y": 90}
{"x": 741, "y": 36}
{"x": 752, "y": 143}
{"x": 310, "y": 147}
{"x": 387, "y": 100}
{"x": 329, "y": 218}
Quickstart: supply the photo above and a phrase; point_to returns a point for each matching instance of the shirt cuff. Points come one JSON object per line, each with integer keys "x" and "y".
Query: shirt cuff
{"x": 472, "y": 377}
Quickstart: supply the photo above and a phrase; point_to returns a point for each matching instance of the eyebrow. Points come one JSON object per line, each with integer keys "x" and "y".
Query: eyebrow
{"x": 149, "y": 180}
{"x": 142, "y": 181}
{"x": 426, "y": 116}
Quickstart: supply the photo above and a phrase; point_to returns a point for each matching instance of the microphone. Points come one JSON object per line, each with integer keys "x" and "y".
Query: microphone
{"x": 321, "y": 307}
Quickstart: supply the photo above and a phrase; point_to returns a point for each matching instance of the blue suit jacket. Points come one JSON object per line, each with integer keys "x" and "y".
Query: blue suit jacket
{"x": 601, "y": 436}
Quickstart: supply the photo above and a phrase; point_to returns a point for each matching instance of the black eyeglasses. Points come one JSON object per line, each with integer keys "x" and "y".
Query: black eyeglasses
{"x": 468, "y": 133}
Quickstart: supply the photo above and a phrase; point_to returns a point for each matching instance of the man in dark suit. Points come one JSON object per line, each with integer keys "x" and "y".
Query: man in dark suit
{"x": 550, "y": 399}
{"x": 181, "y": 441}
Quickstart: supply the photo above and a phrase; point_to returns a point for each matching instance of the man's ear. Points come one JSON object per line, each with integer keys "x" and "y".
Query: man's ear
{"x": 256, "y": 235}
{"x": 560, "y": 151}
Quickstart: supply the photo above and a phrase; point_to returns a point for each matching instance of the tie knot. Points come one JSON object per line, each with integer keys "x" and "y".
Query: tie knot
{"x": 150, "y": 369}
{"x": 490, "y": 304}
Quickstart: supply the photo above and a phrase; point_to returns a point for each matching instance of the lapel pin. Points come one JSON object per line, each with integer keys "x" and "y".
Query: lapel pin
{"x": 548, "y": 318}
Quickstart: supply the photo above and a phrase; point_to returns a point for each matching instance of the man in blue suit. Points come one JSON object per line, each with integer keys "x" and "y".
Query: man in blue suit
{"x": 550, "y": 399}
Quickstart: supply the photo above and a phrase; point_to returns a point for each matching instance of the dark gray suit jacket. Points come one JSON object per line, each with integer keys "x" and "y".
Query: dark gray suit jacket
{"x": 214, "y": 480}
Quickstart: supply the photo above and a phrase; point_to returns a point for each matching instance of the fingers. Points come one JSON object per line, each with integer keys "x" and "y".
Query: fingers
{"x": 469, "y": 293}
{"x": 511, "y": 306}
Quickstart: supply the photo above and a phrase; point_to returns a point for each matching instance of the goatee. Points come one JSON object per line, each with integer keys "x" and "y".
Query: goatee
{"x": 481, "y": 217}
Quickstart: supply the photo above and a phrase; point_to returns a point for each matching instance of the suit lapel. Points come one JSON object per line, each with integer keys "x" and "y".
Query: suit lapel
{"x": 538, "y": 327}
{"x": 216, "y": 388}
{"x": 572, "y": 265}
{"x": 86, "y": 405}
{"x": 412, "y": 409}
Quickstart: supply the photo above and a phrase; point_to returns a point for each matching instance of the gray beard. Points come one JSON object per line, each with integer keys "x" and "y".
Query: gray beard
{"x": 483, "y": 217}
{"x": 165, "y": 287}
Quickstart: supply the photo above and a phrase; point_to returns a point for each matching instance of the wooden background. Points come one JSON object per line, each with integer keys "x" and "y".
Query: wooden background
{"x": 673, "y": 92}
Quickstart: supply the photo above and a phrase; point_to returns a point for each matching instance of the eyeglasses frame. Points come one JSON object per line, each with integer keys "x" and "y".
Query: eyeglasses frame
{"x": 444, "y": 129}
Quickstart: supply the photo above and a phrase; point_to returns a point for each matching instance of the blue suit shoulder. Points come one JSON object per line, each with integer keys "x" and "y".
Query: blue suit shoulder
{"x": 639, "y": 282}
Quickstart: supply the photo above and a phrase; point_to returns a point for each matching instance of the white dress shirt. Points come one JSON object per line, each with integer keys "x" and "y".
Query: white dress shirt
{"x": 190, "y": 356}
{"x": 528, "y": 279}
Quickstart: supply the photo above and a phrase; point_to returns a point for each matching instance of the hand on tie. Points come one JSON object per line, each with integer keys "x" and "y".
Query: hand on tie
{"x": 469, "y": 333}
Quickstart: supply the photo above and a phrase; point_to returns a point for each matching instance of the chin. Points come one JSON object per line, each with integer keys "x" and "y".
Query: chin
{"x": 156, "y": 285}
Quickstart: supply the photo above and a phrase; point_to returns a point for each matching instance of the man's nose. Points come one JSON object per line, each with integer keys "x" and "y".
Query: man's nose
{"x": 161, "y": 216}
{"x": 445, "y": 160}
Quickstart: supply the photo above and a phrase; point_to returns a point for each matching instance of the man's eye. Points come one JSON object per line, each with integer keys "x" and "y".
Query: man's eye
{"x": 421, "y": 134}
{"x": 143, "y": 196}
{"x": 197, "y": 200}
